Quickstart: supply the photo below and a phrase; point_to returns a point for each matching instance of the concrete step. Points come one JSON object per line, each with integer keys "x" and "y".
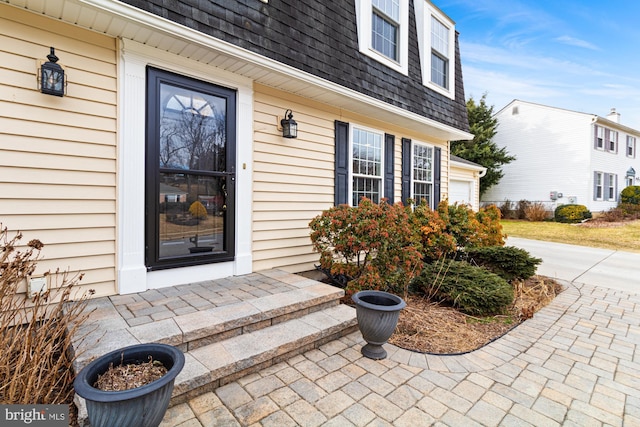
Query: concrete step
{"x": 210, "y": 366}
{"x": 229, "y": 329}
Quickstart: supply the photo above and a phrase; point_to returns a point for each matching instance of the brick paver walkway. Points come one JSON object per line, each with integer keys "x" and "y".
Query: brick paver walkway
{"x": 576, "y": 363}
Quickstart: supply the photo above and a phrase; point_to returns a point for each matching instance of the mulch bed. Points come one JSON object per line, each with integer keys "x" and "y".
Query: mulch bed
{"x": 429, "y": 327}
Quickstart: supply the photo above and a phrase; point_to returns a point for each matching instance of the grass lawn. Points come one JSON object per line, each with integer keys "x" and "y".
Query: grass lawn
{"x": 624, "y": 237}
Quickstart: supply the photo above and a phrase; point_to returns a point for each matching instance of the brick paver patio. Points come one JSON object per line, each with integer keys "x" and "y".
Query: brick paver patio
{"x": 576, "y": 363}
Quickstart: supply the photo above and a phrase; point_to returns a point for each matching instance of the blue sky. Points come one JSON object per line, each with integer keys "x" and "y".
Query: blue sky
{"x": 582, "y": 55}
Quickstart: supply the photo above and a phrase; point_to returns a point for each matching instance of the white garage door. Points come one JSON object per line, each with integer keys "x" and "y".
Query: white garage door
{"x": 460, "y": 191}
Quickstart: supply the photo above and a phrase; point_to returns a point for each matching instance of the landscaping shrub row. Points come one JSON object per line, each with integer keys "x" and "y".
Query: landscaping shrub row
{"x": 385, "y": 246}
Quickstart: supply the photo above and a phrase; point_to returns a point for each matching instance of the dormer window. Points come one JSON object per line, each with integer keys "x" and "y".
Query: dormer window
{"x": 439, "y": 53}
{"x": 436, "y": 43}
{"x": 383, "y": 32}
{"x": 385, "y": 26}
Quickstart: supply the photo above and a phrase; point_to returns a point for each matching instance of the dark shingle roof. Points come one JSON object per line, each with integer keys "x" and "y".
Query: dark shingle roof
{"x": 320, "y": 38}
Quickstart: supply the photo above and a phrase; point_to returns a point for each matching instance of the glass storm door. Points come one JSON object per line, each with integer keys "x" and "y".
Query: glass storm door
{"x": 190, "y": 171}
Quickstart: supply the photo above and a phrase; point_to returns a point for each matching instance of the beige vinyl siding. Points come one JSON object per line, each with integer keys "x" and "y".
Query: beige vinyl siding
{"x": 58, "y": 155}
{"x": 293, "y": 179}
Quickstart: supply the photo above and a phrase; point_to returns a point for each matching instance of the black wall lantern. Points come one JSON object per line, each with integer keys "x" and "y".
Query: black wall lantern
{"x": 52, "y": 76}
{"x": 289, "y": 126}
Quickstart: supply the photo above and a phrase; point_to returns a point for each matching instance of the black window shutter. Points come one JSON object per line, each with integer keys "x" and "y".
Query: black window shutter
{"x": 406, "y": 170}
{"x": 342, "y": 163}
{"x": 437, "y": 168}
{"x": 389, "y": 142}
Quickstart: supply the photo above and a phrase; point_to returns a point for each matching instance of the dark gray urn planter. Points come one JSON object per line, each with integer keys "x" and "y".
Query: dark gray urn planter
{"x": 138, "y": 407}
{"x": 377, "y": 313}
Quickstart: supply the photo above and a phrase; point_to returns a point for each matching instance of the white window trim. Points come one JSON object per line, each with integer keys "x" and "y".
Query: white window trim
{"x": 412, "y": 192}
{"x": 364, "y": 10}
{"x": 382, "y": 155}
{"x": 424, "y": 11}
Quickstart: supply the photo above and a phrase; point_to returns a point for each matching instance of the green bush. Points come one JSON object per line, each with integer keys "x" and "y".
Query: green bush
{"x": 473, "y": 290}
{"x": 508, "y": 262}
{"x": 631, "y": 195}
{"x": 571, "y": 213}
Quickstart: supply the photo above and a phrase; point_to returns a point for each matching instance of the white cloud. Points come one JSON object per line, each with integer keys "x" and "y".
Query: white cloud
{"x": 572, "y": 41}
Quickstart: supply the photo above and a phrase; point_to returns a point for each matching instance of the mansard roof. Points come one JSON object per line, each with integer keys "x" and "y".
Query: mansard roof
{"x": 319, "y": 38}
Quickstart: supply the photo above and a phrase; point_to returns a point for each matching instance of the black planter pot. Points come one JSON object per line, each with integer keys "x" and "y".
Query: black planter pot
{"x": 139, "y": 407}
{"x": 377, "y": 313}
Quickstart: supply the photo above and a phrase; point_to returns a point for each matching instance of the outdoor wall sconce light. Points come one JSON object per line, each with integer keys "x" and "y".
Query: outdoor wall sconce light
{"x": 51, "y": 76}
{"x": 289, "y": 126}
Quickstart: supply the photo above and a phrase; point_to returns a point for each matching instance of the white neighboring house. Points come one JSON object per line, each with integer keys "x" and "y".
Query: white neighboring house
{"x": 564, "y": 157}
{"x": 464, "y": 182}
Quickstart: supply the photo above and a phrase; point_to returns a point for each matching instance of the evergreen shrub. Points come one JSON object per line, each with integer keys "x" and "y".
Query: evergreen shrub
{"x": 571, "y": 213}
{"x": 471, "y": 289}
{"x": 631, "y": 195}
{"x": 508, "y": 262}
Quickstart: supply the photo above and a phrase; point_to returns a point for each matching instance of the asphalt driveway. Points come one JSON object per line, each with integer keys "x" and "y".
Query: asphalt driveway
{"x": 580, "y": 264}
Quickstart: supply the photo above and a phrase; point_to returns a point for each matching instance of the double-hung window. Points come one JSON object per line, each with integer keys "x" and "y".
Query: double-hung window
{"x": 631, "y": 146}
{"x": 599, "y": 144}
{"x": 367, "y": 165}
{"x": 613, "y": 141}
{"x": 598, "y": 185}
{"x": 383, "y": 32}
{"x": 364, "y": 164}
{"x": 385, "y": 27}
{"x": 422, "y": 174}
{"x": 439, "y": 53}
{"x": 436, "y": 45}
{"x": 611, "y": 186}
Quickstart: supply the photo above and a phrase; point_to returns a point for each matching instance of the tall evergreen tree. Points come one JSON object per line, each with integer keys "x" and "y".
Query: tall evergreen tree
{"x": 482, "y": 149}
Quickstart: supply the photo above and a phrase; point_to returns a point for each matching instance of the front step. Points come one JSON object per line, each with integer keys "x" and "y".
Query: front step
{"x": 277, "y": 315}
{"x": 219, "y": 363}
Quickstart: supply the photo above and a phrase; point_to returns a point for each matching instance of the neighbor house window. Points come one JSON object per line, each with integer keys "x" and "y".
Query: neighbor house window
{"x": 599, "y": 137}
{"x": 383, "y": 32}
{"x": 422, "y": 174}
{"x": 631, "y": 146}
{"x": 598, "y": 185}
{"x": 611, "y": 186}
{"x": 436, "y": 44}
{"x": 367, "y": 165}
{"x": 189, "y": 171}
{"x": 613, "y": 141}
